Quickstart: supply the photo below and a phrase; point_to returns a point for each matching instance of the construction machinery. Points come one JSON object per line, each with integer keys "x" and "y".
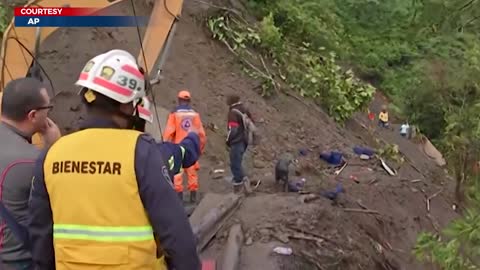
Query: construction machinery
{"x": 21, "y": 45}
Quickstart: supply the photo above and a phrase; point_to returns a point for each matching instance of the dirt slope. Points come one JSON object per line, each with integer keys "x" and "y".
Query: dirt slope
{"x": 351, "y": 240}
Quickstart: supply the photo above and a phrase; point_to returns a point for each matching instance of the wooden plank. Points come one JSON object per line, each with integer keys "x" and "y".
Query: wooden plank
{"x": 231, "y": 255}
{"x": 211, "y": 214}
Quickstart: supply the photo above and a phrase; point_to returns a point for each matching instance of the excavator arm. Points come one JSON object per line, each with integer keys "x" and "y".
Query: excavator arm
{"x": 20, "y": 44}
{"x": 158, "y": 36}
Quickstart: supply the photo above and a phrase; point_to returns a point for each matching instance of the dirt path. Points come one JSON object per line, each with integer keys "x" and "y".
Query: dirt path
{"x": 210, "y": 72}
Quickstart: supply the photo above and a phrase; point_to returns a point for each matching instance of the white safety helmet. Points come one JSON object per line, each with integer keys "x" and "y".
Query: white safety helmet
{"x": 144, "y": 110}
{"x": 114, "y": 74}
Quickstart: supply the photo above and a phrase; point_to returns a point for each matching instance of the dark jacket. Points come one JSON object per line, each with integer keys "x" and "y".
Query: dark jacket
{"x": 171, "y": 151}
{"x": 165, "y": 211}
{"x": 17, "y": 160}
{"x": 236, "y": 130}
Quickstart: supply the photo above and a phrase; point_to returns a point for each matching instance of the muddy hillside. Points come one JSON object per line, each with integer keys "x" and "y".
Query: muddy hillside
{"x": 373, "y": 225}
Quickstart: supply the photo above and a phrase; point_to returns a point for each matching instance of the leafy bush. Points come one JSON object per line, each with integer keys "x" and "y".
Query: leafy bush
{"x": 271, "y": 37}
{"x": 5, "y": 16}
{"x": 312, "y": 71}
{"x": 459, "y": 250}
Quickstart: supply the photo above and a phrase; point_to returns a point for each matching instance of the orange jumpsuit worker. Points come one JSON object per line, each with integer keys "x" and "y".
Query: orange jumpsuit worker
{"x": 182, "y": 120}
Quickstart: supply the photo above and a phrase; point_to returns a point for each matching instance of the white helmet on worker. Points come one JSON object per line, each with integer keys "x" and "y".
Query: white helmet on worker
{"x": 114, "y": 74}
{"x": 144, "y": 110}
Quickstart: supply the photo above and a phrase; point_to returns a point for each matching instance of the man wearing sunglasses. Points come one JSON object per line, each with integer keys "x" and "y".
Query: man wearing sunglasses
{"x": 24, "y": 112}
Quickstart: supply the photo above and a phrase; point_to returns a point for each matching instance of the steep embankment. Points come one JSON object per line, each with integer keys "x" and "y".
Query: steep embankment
{"x": 348, "y": 240}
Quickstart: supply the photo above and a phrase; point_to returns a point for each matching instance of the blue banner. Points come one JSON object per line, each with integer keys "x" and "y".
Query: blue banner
{"x": 81, "y": 21}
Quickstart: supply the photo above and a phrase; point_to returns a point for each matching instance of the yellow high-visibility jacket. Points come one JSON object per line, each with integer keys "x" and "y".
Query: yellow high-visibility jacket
{"x": 383, "y": 116}
{"x": 99, "y": 219}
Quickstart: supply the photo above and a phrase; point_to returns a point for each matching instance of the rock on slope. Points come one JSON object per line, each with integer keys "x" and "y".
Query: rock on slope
{"x": 348, "y": 240}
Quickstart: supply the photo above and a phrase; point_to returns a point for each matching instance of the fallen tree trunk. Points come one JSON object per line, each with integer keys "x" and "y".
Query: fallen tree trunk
{"x": 231, "y": 255}
{"x": 210, "y": 215}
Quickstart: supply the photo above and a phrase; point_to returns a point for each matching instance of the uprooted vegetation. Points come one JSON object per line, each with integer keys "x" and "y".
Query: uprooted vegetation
{"x": 313, "y": 73}
{"x": 5, "y": 15}
{"x": 423, "y": 54}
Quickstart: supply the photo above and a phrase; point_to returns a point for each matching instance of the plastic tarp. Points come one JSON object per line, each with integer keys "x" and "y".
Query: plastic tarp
{"x": 432, "y": 152}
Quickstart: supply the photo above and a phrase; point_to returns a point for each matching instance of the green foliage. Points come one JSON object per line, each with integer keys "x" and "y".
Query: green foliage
{"x": 232, "y": 33}
{"x": 321, "y": 78}
{"x": 312, "y": 71}
{"x": 5, "y": 16}
{"x": 460, "y": 248}
{"x": 271, "y": 37}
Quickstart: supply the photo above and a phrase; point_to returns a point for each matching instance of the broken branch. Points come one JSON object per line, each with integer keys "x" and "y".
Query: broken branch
{"x": 434, "y": 223}
{"x": 303, "y": 236}
{"x": 326, "y": 239}
{"x": 234, "y": 11}
{"x": 431, "y": 197}
{"x": 252, "y": 66}
{"x": 339, "y": 171}
{"x": 365, "y": 211}
{"x": 436, "y": 194}
{"x": 373, "y": 181}
{"x": 274, "y": 83}
{"x": 361, "y": 205}
{"x": 311, "y": 258}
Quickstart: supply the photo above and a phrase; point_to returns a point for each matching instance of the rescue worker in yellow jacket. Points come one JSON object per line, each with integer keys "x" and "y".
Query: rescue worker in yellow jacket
{"x": 101, "y": 197}
{"x": 182, "y": 120}
{"x": 383, "y": 117}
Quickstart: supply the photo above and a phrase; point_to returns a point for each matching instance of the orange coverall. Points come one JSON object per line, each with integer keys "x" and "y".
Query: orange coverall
{"x": 180, "y": 122}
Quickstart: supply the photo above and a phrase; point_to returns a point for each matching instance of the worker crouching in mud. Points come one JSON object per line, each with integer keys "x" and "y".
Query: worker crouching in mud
{"x": 102, "y": 197}
{"x": 181, "y": 121}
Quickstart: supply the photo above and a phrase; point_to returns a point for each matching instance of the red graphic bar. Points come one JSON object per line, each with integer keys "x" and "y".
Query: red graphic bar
{"x": 53, "y": 11}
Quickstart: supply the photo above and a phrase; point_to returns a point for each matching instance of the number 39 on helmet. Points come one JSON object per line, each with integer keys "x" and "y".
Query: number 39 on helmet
{"x": 114, "y": 74}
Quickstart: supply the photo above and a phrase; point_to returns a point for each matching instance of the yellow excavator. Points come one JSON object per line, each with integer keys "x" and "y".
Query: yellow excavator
{"x": 21, "y": 45}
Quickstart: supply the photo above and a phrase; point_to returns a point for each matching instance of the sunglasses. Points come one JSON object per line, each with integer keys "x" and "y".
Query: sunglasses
{"x": 44, "y": 108}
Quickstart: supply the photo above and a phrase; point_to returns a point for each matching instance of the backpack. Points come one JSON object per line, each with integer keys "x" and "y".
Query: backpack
{"x": 251, "y": 133}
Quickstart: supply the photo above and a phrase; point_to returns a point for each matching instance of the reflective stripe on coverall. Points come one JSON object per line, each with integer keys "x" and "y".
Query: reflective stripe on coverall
{"x": 179, "y": 123}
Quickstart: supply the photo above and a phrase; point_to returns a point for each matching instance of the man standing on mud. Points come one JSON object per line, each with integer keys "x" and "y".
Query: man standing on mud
{"x": 25, "y": 104}
{"x": 237, "y": 142}
{"x": 181, "y": 121}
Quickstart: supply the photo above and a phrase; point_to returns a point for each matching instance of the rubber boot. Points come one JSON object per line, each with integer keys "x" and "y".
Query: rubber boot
{"x": 180, "y": 196}
{"x": 237, "y": 189}
{"x": 193, "y": 196}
